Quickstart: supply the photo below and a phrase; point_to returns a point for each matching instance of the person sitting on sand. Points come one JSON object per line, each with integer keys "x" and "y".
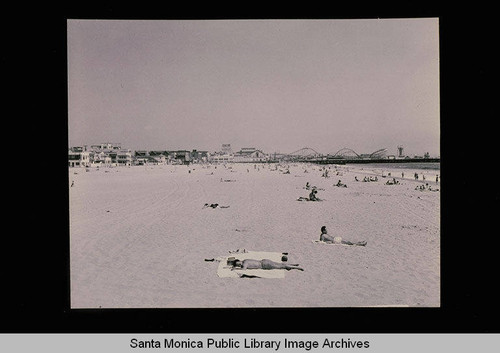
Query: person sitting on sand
{"x": 312, "y": 196}
{"x": 392, "y": 182}
{"x": 325, "y": 237}
{"x": 264, "y": 264}
{"x": 214, "y": 205}
{"x": 340, "y": 185}
{"x": 356, "y": 178}
{"x": 307, "y": 186}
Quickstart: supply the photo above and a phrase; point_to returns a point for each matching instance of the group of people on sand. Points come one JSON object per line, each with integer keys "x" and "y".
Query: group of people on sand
{"x": 425, "y": 187}
{"x": 366, "y": 179}
{"x": 266, "y": 264}
{"x": 392, "y": 182}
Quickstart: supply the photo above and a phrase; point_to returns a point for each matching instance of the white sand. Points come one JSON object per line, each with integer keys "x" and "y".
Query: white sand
{"x": 139, "y": 237}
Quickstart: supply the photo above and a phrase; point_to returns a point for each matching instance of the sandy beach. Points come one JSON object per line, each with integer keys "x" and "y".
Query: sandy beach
{"x": 139, "y": 236}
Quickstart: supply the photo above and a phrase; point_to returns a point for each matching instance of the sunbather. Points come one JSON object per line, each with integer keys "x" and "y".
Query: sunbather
{"x": 336, "y": 240}
{"x": 264, "y": 264}
{"x": 214, "y": 205}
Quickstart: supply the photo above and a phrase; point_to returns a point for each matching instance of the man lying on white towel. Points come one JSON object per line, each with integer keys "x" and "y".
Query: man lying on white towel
{"x": 264, "y": 264}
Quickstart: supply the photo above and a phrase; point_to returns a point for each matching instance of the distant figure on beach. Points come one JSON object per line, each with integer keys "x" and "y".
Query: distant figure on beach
{"x": 264, "y": 264}
{"x": 307, "y": 186}
{"x": 356, "y": 178}
{"x": 392, "y": 182}
{"x": 340, "y": 185}
{"x": 402, "y": 174}
{"x": 325, "y": 237}
{"x": 312, "y": 195}
{"x": 214, "y": 205}
{"x": 72, "y": 183}
{"x": 423, "y": 187}
{"x": 416, "y": 176}
{"x": 437, "y": 179}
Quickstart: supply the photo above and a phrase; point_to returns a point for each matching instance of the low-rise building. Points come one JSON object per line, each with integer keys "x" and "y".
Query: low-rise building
{"x": 219, "y": 157}
{"x": 180, "y": 157}
{"x": 124, "y": 157}
{"x": 100, "y": 159}
{"x": 78, "y": 157}
{"x": 250, "y": 155}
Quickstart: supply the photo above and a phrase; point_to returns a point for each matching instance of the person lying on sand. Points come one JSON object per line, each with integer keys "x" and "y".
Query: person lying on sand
{"x": 214, "y": 205}
{"x": 324, "y": 236}
{"x": 263, "y": 264}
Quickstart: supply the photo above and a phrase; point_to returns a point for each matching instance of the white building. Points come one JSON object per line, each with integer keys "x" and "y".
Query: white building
{"x": 250, "y": 155}
{"x": 78, "y": 157}
{"x": 124, "y": 157}
{"x": 221, "y": 158}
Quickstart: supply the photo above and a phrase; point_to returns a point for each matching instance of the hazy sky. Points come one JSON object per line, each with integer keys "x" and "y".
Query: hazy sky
{"x": 277, "y": 85}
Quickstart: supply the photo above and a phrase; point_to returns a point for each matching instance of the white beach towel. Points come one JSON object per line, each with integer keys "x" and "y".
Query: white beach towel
{"x": 224, "y": 270}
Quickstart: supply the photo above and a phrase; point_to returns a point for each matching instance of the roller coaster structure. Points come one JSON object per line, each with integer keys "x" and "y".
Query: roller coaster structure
{"x": 303, "y": 154}
{"x": 309, "y": 154}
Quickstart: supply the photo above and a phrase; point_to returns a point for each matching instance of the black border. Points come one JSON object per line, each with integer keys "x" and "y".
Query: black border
{"x": 38, "y": 292}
